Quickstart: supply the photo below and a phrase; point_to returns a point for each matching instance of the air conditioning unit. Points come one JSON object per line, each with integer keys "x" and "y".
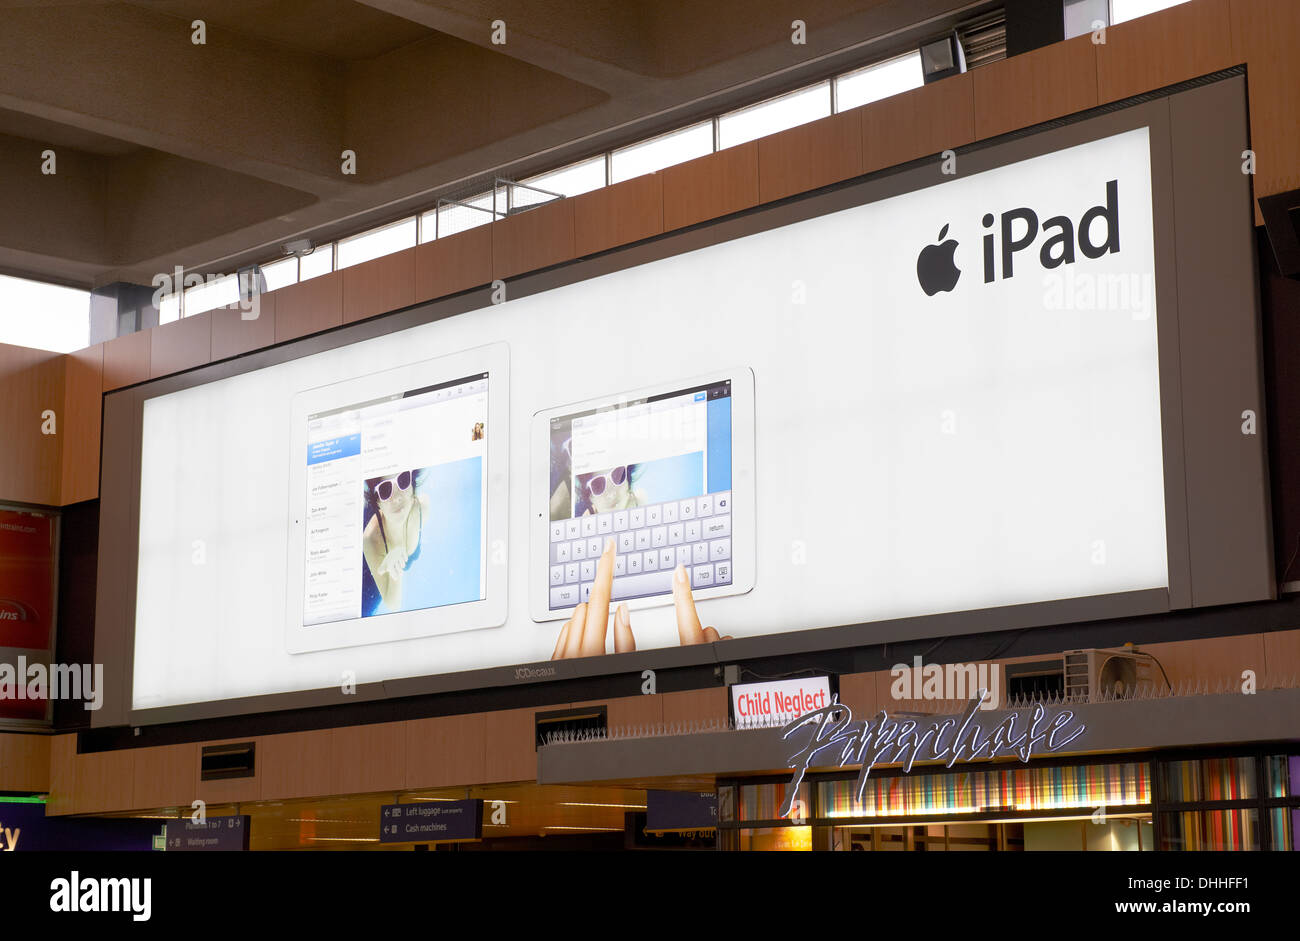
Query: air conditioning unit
{"x": 1097, "y": 675}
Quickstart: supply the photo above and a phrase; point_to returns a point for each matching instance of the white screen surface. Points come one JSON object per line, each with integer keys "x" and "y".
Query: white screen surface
{"x": 993, "y": 444}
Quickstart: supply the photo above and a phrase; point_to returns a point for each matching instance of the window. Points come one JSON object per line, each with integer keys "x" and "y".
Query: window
{"x": 43, "y": 316}
{"x": 737, "y": 127}
{"x": 377, "y": 242}
{"x": 218, "y": 292}
{"x": 1081, "y": 14}
{"x": 776, "y": 114}
{"x": 1122, "y": 11}
{"x": 169, "y": 309}
{"x": 878, "y": 81}
{"x": 567, "y": 181}
{"x": 319, "y": 262}
{"x": 282, "y": 273}
{"x": 451, "y": 218}
{"x": 659, "y": 152}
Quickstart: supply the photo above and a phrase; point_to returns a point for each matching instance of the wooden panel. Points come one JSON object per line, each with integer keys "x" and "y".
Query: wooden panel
{"x": 232, "y": 335}
{"x": 532, "y": 240}
{"x": 1037, "y": 86}
{"x": 1282, "y": 655}
{"x": 369, "y": 758}
{"x": 509, "y": 737}
{"x": 165, "y": 776}
{"x": 378, "y": 286}
{"x": 630, "y": 711}
{"x": 63, "y": 776}
{"x": 309, "y": 306}
{"x": 918, "y": 123}
{"x": 453, "y": 264}
{"x": 811, "y": 155}
{"x": 80, "y": 423}
{"x": 126, "y": 360}
{"x": 1212, "y": 660}
{"x": 448, "y": 750}
{"x": 31, "y": 383}
{"x": 24, "y": 762}
{"x": 232, "y": 790}
{"x": 297, "y": 764}
{"x": 1266, "y": 34}
{"x": 104, "y": 781}
{"x": 696, "y": 705}
{"x": 711, "y": 186}
{"x": 858, "y": 692}
{"x": 1143, "y": 54}
{"x": 619, "y": 214}
{"x": 182, "y": 344}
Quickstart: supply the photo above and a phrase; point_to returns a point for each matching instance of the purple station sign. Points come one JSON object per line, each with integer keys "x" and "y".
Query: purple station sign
{"x": 217, "y": 834}
{"x": 680, "y": 810}
{"x": 431, "y": 821}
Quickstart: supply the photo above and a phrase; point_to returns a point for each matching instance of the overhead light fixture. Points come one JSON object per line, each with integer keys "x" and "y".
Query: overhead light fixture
{"x": 619, "y": 806}
{"x": 588, "y": 829}
{"x": 942, "y": 58}
{"x": 299, "y": 247}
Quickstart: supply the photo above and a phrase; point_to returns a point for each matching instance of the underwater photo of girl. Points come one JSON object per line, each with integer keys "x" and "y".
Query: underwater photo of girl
{"x": 422, "y": 538}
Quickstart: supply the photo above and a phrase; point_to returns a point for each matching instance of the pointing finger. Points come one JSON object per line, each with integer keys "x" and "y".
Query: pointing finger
{"x": 624, "y": 642}
{"x": 573, "y": 648}
{"x": 688, "y": 622}
{"x": 593, "y": 636}
{"x": 561, "y": 642}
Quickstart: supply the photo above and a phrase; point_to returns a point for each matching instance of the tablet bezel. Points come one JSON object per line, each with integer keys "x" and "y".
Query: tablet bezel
{"x": 490, "y": 611}
{"x": 744, "y": 535}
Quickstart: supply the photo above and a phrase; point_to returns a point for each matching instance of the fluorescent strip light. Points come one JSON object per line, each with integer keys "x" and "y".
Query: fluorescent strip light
{"x": 343, "y": 839}
{"x": 581, "y": 804}
{"x": 589, "y": 829}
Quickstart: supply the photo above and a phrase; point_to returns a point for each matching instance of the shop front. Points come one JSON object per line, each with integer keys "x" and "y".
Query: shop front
{"x": 1135, "y": 779}
{"x": 1144, "y": 802}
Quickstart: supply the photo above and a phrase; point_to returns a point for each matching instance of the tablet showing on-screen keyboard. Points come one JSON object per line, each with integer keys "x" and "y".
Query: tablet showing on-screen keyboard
{"x": 666, "y": 472}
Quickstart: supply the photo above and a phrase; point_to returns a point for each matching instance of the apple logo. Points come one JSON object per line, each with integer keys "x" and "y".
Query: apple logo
{"x": 935, "y": 268}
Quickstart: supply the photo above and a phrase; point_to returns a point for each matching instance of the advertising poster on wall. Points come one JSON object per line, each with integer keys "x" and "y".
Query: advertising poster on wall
{"x": 26, "y": 578}
{"x": 28, "y": 560}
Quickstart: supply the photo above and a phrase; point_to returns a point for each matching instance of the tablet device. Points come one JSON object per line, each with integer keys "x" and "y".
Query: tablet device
{"x": 397, "y": 489}
{"x": 666, "y": 472}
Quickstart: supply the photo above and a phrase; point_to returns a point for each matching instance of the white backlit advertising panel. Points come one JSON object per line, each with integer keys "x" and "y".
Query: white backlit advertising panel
{"x": 952, "y": 403}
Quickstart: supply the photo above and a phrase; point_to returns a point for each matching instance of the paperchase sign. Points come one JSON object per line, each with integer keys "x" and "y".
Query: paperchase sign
{"x": 829, "y": 737}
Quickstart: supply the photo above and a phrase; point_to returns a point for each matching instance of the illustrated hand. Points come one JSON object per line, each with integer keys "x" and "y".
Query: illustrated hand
{"x": 688, "y": 620}
{"x": 583, "y": 635}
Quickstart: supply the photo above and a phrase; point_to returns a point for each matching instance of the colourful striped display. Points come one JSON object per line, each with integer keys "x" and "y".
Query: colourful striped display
{"x": 1208, "y": 779}
{"x": 763, "y": 801}
{"x": 1211, "y": 830}
{"x": 1012, "y": 789}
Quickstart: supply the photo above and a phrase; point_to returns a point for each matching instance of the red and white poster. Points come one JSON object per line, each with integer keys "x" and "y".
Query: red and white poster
{"x": 26, "y": 579}
{"x": 27, "y": 567}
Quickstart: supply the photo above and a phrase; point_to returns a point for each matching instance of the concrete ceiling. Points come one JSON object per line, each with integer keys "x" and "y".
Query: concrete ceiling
{"x": 210, "y": 156}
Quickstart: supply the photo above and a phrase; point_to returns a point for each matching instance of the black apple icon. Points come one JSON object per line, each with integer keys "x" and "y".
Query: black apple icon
{"x": 935, "y": 268}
